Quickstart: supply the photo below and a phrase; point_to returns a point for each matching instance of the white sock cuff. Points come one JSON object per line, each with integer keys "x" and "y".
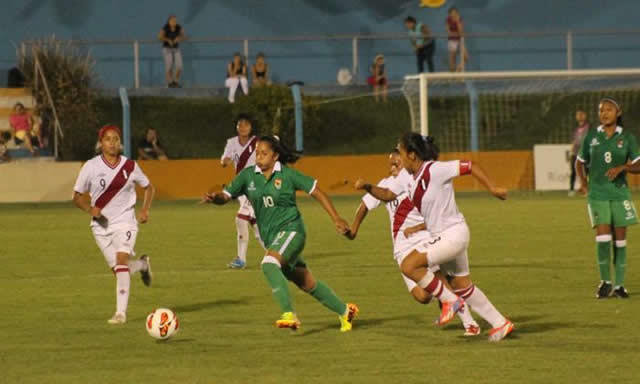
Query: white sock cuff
{"x": 271, "y": 260}
{"x": 424, "y": 282}
{"x": 621, "y": 243}
{"x": 603, "y": 238}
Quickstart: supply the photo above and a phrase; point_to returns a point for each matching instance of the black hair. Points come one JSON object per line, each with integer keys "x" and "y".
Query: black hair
{"x": 618, "y": 107}
{"x": 246, "y": 117}
{"x": 451, "y": 9}
{"x": 410, "y": 19}
{"x": 395, "y": 151}
{"x": 5, "y": 135}
{"x": 285, "y": 155}
{"x": 260, "y": 54}
{"x": 423, "y": 147}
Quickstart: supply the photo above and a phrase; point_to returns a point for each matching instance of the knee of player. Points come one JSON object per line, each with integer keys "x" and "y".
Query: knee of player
{"x": 122, "y": 258}
{"x": 460, "y": 282}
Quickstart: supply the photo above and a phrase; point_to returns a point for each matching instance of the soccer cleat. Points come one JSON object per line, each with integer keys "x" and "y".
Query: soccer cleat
{"x": 497, "y": 334}
{"x": 237, "y": 264}
{"x": 604, "y": 290}
{"x": 346, "y": 320}
{"x": 471, "y": 330}
{"x": 146, "y": 274}
{"x": 118, "y": 318}
{"x": 621, "y": 293}
{"x": 449, "y": 310}
{"x": 288, "y": 320}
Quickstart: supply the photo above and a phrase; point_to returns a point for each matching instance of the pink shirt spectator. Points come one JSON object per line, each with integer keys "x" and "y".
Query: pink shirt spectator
{"x": 578, "y": 136}
{"x": 454, "y": 33}
{"x": 20, "y": 122}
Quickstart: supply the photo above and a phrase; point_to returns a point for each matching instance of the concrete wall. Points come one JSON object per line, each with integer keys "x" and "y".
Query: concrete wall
{"x": 319, "y": 61}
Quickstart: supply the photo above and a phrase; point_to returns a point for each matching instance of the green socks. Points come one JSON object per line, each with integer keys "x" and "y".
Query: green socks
{"x": 278, "y": 285}
{"x": 620, "y": 261}
{"x": 328, "y": 298}
{"x": 604, "y": 254}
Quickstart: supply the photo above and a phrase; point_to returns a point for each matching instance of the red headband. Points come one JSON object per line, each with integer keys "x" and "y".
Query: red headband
{"x": 107, "y": 128}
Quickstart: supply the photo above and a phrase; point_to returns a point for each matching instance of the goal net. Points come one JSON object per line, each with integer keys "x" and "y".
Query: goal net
{"x": 486, "y": 111}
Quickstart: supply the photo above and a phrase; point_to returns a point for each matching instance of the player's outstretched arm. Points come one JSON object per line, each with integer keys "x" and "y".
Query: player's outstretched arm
{"x": 481, "y": 176}
{"x": 149, "y": 193}
{"x": 217, "y": 198}
{"x": 361, "y": 213}
{"x": 81, "y": 201}
{"x": 612, "y": 173}
{"x": 341, "y": 225}
{"x": 382, "y": 194}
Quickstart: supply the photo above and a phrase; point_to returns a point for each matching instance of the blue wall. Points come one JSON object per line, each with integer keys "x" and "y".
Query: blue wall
{"x": 318, "y": 62}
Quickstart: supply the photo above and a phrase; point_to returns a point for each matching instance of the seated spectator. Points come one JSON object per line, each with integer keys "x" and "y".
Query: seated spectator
{"x": 4, "y": 153}
{"x": 149, "y": 147}
{"x": 36, "y": 129}
{"x": 236, "y": 75}
{"x": 20, "y": 122}
{"x": 378, "y": 78}
{"x": 260, "y": 72}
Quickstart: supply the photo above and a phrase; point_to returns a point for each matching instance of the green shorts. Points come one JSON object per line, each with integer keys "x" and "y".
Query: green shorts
{"x": 289, "y": 245}
{"x": 613, "y": 212}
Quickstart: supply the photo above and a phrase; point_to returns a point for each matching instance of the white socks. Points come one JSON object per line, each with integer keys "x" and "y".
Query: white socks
{"x": 123, "y": 282}
{"x": 242, "y": 227}
{"x": 481, "y": 305}
{"x": 435, "y": 287}
{"x": 136, "y": 266}
{"x": 465, "y": 316}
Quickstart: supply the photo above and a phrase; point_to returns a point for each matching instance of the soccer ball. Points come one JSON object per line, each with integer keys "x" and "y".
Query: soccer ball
{"x": 162, "y": 323}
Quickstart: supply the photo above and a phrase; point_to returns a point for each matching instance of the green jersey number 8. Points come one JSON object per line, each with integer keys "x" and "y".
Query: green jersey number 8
{"x": 267, "y": 201}
{"x": 607, "y": 157}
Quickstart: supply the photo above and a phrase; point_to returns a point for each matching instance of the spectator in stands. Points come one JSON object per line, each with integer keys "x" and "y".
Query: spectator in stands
{"x": 378, "y": 78}
{"x": 20, "y": 122}
{"x": 422, "y": 41}
{"x": 149, "y": 147}
{"x": 578, "y": 135}
{"x": 171, "y": 35}
{"x": 4, "y": 153}
{"x": 260, "y": 71}
{"x": 455, "y": 31}
{"x": 236, "y": 76}
{"x": 36, "y": 128}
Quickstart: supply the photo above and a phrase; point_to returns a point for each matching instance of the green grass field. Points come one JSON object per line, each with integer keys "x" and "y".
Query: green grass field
{"x": 532, "y": 255}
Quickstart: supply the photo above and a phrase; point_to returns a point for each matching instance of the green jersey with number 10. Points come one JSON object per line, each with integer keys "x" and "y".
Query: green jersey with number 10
{"x": 273, "y": 199}
{"x": 600, "y": 153}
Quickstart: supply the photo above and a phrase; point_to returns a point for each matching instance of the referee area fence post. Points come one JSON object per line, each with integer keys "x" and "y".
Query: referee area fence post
{"x": 126, "y": 121}
{"x": 473, "y": 116}
{"x": 569, "y": 50}
{"x": 136, "y": 64}
{"x": 354, "y": 70}
{"x": 297, "y": 104}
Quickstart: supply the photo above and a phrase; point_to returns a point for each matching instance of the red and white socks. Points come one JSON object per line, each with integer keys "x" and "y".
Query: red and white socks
{"x": 481, "y": 305}
{"x": 123, "y": 283}
{"x": 434, "y": 286}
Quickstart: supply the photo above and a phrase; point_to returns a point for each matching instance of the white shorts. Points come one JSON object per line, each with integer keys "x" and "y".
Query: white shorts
{"x": 449, "y": 250}
{"x": 453, "y": 45}
{"x": 404, "y": 246}
{"x": 246, "y": 210}
{"x": 121, "y": 239}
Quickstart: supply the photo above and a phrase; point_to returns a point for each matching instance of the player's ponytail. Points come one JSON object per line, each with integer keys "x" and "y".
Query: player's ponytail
{"x": 285, "y": 155}
{"x": 424, "y": 147}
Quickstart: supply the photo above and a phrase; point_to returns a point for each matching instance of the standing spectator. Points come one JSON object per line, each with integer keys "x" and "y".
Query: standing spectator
{"x": 260, "y": 71}
{"x": 578, "y": 136}
{"x": 4, "y": 154}
{"x": 149, "y": 147}
{"x": 455, "y": 31}
{"x": 236, "y": 75}
{"x": 422, "y": 41}
{"x": 20, "y": 122}
{"x": 378, "y": 78}
{"x": 171, "y": 35}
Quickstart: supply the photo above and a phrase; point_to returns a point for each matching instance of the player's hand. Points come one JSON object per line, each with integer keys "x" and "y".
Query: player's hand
{"x": 341, "y": 225}
{"x": 359, "y": 184}
{"x": 499, "y": 192}
{"x": 350, "y": 234}
{"x": 95, "y": 212}
{"x": 207, "y": 198}
{"x": 143, "y": 216}
{"x": 583, "y": 189}
{"x": 411, "y": 230}
{"x": 612, "y": 173}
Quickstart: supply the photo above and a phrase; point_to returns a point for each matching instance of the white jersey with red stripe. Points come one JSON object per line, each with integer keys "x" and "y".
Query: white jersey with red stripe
{"x": 243, "y": 156}
{"x": 112, "y": 188}
{"x": 433, "y": 194}
{"x": 402, "y": 213}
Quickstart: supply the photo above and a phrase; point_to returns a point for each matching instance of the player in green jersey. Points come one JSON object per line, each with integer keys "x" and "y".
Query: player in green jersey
{"x": 271, "y": 187}
{"x": 609, "y": 152}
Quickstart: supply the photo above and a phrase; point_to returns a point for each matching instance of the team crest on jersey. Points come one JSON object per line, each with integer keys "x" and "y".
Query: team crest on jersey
{"x": 278, "y": 183}
{"x": 252, "y": 186}
{"x": 595, "y": 142}
{"x": 620, "y": 143}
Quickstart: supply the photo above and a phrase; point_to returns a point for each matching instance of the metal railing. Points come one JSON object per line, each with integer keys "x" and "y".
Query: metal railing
{"x": 567, "y": 35}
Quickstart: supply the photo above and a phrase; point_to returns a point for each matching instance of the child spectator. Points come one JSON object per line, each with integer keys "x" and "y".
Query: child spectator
{"x": 20, "y": 122}
{"x": 149, "y": 147}
{"x": 455, "y": 31}
{"x": 378, "y": 78}
{"x": 171, "y": 35}
{"x": 236, "y": 75}
{"x": 260, "y": 72}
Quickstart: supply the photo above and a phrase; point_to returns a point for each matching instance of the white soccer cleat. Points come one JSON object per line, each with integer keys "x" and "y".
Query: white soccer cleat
{"x": 499, "y": 333}
{"x": 472, "y": 330}
{"x": 118, "y": 318}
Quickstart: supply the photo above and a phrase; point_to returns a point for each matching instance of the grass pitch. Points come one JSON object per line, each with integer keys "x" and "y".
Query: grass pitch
{"x": 532, "y": 255}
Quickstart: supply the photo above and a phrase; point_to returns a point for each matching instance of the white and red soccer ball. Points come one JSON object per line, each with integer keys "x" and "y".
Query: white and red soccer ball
{"x": 162, "y": 323}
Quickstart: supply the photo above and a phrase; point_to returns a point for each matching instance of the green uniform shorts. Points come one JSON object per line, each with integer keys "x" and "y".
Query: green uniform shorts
{"x": 612, "y": 212}
{"x": 289, "y": 245}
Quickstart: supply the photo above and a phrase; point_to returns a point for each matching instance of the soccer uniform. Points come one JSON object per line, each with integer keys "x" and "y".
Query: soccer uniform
{"x": 609, "y": 201}
{"x": 243, "y": 156}
{"x": 274, "y": 201}
{"x": 112, "y": 189}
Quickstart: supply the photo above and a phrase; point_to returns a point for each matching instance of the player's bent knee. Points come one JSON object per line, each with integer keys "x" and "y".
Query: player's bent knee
{"x": 122, "y": 258}
{"x": 269, "y": 259}
{"x": 461, "y": 282}
{"x": 411, "y": 263}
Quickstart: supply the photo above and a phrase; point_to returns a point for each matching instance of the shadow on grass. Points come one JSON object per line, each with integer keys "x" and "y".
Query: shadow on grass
{"x": 194, "y": 307}
{"x": 175, "y": 341}
{"x": 361, "y": 324}
{"x": 523, "y": 265}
